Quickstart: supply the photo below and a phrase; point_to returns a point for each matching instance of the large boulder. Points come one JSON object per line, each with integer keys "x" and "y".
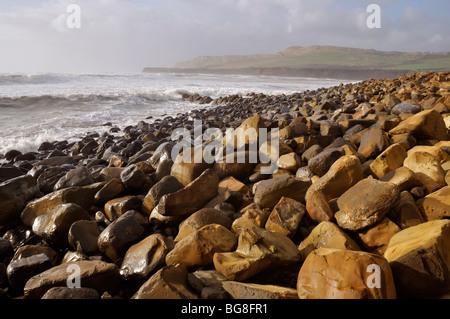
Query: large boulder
{"x": 345, "y": 274}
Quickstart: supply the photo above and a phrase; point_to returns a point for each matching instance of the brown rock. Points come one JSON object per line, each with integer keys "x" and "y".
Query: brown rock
{"x": 436, "y": 205}
{"x": 83, "y": 236}
{"x": 403, "y": 177}
{"x": 146, "y": 256}
{"x": 98, "y": 275}
{"x": 71, "y": 293}
{"x": 167, "y": 185}
{"x": 420, "y": 260}
{"x": 376, "y": 238}
{"x": 290, "y": 162}
{"x": 405, "y": 212}
{"x": 239, "y": 290}
{"x": 285, "y": 217}
{"x": 345, "y": 274}
{"x": 110, "y": 191}
{"x": 252, "y": 217}
{"x": 389, "y": 160}
{"x": 373, "y": 142}
{"x": 119, "y": 206}
{"x": 366, "y": 203}
{"x": 326, "y": 235}
{"x": 191, "y": 198}
{"x": 169, "y": 282}
{"x": 187, "y": 168}
{"x": 269, "y": 192}
{"x": 428, "y": 124}
{"x": 427, "y": 170}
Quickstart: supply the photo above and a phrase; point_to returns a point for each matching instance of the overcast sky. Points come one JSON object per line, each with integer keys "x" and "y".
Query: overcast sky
{"x": 127, "y": 35}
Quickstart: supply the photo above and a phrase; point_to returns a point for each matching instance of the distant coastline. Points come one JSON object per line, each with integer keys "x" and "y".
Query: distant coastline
{"x": 331, "y": 73}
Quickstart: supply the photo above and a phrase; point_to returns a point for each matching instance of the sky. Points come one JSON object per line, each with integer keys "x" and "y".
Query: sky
{"x": 128, "y": 35}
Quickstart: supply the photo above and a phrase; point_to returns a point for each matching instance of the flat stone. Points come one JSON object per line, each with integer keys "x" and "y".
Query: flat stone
{"x": 366, "y": 203}
{"x": 95, "y": 274}
{"x": 186, "y": 170}
{"x": 344, "y": 274}
{"x": 403, "y": 177}
{"x": 419, "y": 259}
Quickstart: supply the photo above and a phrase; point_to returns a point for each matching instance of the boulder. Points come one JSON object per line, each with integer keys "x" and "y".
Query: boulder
{"x": 286, "y": 217}
{"x": 290, "y": 162}
{"x": 55, "y": 225}
{"x": 191, "y": 198}
{"x": 345, "y": 274}
{"x": 167, "y": 185}
{"x": 95, "y": 274}
{"x": 133, "y": 177}
{"x": 145, "y": 257}
{"x": 169, "y": 282}
{"x": 427, "y": 124}
{"x": 199, "y": 247}
{"x": 111, "y": 190}
{"x": 366, "y": 203}
{"x": 436, "y": 205}
{"x": 406, "y": 213}
{"x": 269, "y": 192}
{"x": 119, "y": 206}
{"x": 326, "y": 235}
{"x": 321, "y": 163}
{"x": 83, "y": 236}
{"x": 420, "y": 260}
{"x": 389, "y": 160}
{"x": 14, "y": 196}
{"x": 376, "y": 238}
{"x": 403, "y": 177}
{"x": 406, "y": 108}
{"x": 251, "y": 217}
{"x": 427, "y": 170}
{"x": 239, "y": 165}
{"x": 125, "y": 231}
{"x": 186, "y": 170}
{"x": 373, "y": 142}
{"x": 77, "y": 177}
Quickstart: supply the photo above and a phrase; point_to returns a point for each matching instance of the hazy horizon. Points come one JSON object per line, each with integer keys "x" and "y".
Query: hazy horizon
{"x": 126, "y": 36}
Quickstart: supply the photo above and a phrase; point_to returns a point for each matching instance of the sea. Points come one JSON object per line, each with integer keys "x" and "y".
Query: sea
{"x": 35, "y": 108}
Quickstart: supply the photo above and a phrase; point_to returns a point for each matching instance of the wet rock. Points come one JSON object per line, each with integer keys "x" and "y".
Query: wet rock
{"x": 133, "y": 177}
{"x": 187, "y": 170}
{"x": 199, "y": 247}
{"x": 145, "y": 257}
{"x": 14, "y": 196}
{"x": 167, "y": 185}
{"x": 65, "y": 293}
{"x": 191, "y": 198}
{"x": 50, "y": 176}
{"x": 76, "y": 177}
{"x": 125, "y": 231}
{"x": 55, "y": 225}
{"x": 365, "y": 204}
{"x": 330, "y": 274}
{"x": 111, "y": 190}
{"x": 419, "y": 259}
{"x": 269, "y": 192}
{"x": 119, "y": 206}
{"x": 7, "y": 173}
{"x": 98, "y": 275}
{"x": 169, "y": 282}
{"x": 83, "y": 236}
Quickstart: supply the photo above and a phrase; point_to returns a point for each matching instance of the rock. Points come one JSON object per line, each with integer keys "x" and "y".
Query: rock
{"x": 83, "y": 236}
{"x": 406, "y": 108}
{"x": 109, "y": 173}
{"x": 320, "y": 164}
{"x": 269, "y": 192}
{"x": 376, "y": 238}
{"x": 169, "y": 282}
{"x": 133, "y": 177}
{"x": 199, "y": 247}
{"x": 251, "y": 217}
{"x": 203, "y": 217}
{"x": 286, "y": 217}
{"x": 191, "y": 198}
{"x": 427, "y": 170}
{"x": 419, "y": 259}
{"x": 167, "y": 185}
{"x": 406, "y": 213}
{"x": 55, "y": 225}
{"x": 14, "y": 195}
{"x": 427, "y": 124}
{"x": 247, "y": 133}
{"x": 436, "y": 205}
{"x": 49, "y": 177}
{"x": 232, "y": 184}
{"x": 201, "y": 279}
{"x": 119, "y": 206}
{"x": 66, "y": 293}
{"x": 366, "y": 203}
{"x": 389, "y": 160}
{"x": 345, "y": 274}
{"x": 125, "y": 231}
{"x": 311, "y": 152}
{"x": 189, "y": 169}
{"x": 111, "y": 190}
{"x": 406, "y": 140}
{"x": 373, "y": 142}
{"x": 257, "y": 250}
{"x": 342, "y": 175}
{"x": 290, "y": 162}
{"x": 239, "y": 165}
{"x": 238, "y": 290}
{"x": 81, "y": 196}
{"x": 330, "y": 128}
{"x": 95, "y": 274}
{"x": 57, "y": 161}
{"x": 145, "y": 257}
{"x": 7, "y": 173}
{"x": 76, "y": 177}
{"x": 403, "y": 177}
{"x": 6, "y": 250}
{"x": 326, "y": 235}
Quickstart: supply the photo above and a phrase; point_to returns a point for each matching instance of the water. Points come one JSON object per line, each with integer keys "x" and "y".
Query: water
{"x": 50, "y": 107}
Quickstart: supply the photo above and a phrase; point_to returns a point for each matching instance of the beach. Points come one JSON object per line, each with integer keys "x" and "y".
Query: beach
{"x": 357, "y": 207}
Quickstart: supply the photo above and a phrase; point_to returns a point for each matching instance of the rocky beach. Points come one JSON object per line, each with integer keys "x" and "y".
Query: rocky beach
{"x": 358, "y": 209}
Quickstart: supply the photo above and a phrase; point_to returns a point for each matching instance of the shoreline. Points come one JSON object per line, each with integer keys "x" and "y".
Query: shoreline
{"x": 135, "y": 220}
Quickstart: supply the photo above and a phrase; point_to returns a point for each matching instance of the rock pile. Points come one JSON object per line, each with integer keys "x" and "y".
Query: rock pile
{"x": 359, "y": 207}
